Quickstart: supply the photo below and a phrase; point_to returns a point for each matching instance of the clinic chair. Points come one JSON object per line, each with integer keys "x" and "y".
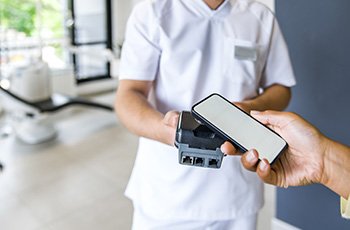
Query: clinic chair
{"x": 32, "y": 128}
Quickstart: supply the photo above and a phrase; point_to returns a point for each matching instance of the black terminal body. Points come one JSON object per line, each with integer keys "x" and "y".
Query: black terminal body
{"x": 197, "y": 144}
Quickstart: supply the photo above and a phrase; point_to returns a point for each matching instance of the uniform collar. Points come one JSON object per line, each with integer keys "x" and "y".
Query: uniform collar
{"x": 206, "y": 11}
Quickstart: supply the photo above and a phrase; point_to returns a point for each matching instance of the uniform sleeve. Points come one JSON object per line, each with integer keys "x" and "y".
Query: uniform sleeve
{"x": 345, "y": 207}
{"x": 140, "y": 51}
{"x": 278, "y": 68}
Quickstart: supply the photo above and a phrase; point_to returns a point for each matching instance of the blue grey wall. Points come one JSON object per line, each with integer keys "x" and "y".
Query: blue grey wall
{"x": 318, "y": 36}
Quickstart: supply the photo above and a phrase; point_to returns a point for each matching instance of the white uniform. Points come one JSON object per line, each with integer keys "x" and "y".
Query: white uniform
{"x": 191, "y": 51}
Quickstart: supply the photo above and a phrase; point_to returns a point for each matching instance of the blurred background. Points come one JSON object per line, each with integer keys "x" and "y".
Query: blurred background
{"x": 65, "y": 159}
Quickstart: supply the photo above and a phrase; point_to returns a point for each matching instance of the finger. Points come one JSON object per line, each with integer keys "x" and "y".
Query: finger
{"x": 250, "y": 160}
{"x": 228, "y": 149}
{"x": 174, "y": 118}
{"x": 265, "y": 173}
{"x": 242, "y": 106}
{"x": 273, "y": 118}
{"x": 238, "y": 104}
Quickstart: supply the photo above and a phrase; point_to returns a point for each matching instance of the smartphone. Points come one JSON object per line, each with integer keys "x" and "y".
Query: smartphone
{"x": 241, "y": 129}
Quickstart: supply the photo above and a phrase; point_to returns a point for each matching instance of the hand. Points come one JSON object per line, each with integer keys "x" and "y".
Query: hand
{"x": 170, "y": 121}
{"x": 301, "y": 164}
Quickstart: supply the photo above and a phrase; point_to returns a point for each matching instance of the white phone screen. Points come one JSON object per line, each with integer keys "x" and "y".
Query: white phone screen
{"x": 238, "y": 126}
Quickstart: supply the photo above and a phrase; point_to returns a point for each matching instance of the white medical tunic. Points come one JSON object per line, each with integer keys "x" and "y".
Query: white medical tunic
{"x": 189, "y": 51}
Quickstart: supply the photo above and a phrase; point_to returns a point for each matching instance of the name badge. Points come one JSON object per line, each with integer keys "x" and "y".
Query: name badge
{"x": 246, "y": 53}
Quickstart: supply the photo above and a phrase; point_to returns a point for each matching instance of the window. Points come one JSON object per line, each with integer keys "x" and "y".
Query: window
{"x": 29, "y": 30}
{"x": 60, "y": 32}
{"x": 91, "y": 34}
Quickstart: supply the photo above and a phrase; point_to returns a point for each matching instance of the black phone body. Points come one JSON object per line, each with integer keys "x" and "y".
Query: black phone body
{"x": 238, "y": 127}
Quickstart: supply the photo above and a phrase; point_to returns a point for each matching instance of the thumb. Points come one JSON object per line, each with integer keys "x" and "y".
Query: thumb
{"x": 171, "y": 118}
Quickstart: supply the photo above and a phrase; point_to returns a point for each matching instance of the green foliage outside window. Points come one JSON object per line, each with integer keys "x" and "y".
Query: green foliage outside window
{"x": 22, "y": 16}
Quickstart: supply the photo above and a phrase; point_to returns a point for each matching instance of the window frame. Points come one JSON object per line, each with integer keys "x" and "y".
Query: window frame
{"x": 107, "y": 43}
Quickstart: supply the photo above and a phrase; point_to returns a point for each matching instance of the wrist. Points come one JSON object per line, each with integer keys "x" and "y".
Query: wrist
{"x": 326, "y": 170}
{"x": 336, "y": 175}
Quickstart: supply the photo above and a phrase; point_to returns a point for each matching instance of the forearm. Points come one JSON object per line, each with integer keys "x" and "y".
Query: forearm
{"x": 337, "y": 168}
{"x": 140, "y": 117}
{"x": 276, "y": 97}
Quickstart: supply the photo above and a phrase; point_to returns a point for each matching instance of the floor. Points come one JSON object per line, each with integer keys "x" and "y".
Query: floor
{"x": 77, "y": 180}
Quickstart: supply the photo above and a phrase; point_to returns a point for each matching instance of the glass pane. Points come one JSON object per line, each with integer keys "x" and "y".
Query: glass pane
{"x": 90, "y": 20}
{"x": 31, "y": 30}
{"x": 89, "y": 62}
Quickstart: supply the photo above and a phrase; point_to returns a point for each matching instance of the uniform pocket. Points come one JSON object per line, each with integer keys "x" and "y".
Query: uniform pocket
{"x": 241, "y": 60}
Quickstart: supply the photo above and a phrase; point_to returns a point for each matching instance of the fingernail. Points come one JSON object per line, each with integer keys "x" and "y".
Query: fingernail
{"x": 263, "y": 165}
{"x": 222, "y": 149}
{"x": 254, "y": 112}
{"x": 251, "y": 156}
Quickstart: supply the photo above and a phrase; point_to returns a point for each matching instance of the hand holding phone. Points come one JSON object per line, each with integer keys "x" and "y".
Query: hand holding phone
{"x": 238, "y": 127}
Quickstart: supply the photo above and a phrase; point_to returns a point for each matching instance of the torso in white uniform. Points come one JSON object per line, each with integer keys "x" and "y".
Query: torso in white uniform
{"x": 191, "y": 51}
